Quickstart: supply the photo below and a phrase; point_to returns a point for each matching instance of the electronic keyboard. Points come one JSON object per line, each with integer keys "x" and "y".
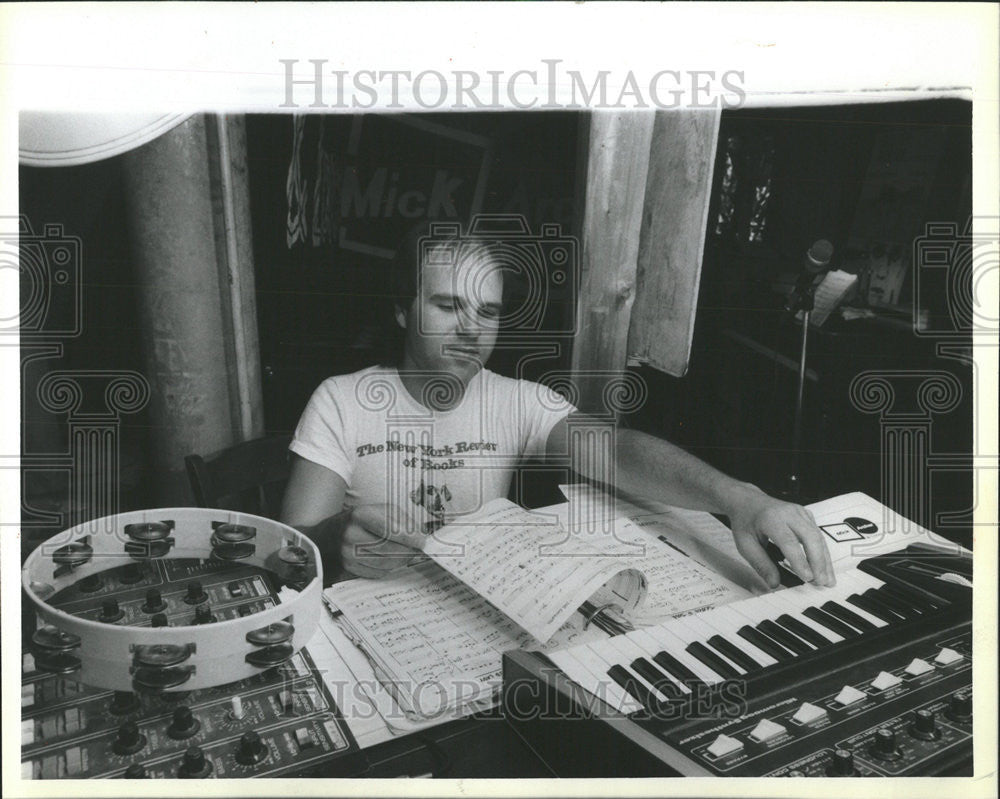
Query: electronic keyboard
{"x": 869, "y": 677}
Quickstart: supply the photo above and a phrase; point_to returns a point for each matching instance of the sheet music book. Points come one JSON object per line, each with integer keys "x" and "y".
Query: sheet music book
{"x": 506, "y": 579}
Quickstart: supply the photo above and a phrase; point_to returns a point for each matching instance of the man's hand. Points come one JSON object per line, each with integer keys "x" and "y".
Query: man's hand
{"x": 756, "y": 517}
{"x": 379, "y": 539}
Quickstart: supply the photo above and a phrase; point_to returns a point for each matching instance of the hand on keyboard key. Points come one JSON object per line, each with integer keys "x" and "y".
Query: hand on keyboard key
{"x": 757, "y": 519}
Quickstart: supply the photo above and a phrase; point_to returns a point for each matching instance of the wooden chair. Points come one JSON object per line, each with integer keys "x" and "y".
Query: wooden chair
{"x": 248, "y": 477}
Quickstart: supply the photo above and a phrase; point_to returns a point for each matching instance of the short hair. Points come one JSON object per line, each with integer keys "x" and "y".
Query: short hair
{"x": 405, "y": 268}
{"x": 404, "y": 280}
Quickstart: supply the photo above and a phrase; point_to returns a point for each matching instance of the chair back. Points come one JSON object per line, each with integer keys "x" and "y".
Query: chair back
{"x": 249, "y": 477}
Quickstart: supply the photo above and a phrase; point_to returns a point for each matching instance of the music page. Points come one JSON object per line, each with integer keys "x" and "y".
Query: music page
{"x": 530, "y": 567}
{"x": 433, "y": 643}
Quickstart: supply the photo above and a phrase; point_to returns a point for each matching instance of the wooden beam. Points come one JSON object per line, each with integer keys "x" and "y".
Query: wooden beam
{"x": 617, "y": 163}
{"x": 672, "y": 239}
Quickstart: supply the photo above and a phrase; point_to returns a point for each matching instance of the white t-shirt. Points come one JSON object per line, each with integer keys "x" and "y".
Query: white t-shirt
{"x": 390, "y": 449}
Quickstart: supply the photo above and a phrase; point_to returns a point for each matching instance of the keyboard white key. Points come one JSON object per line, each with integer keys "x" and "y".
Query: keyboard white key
{"x": 577, "y": 662}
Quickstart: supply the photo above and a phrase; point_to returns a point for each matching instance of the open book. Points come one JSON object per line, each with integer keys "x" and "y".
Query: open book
{"x": 506, "y": 578}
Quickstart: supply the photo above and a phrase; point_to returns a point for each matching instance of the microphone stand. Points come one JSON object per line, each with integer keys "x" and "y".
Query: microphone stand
{"x": 801, "y": 299}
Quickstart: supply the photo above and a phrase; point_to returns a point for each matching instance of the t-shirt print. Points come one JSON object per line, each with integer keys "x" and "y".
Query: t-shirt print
{"x": 434, "y": 500}
{"x": 390, "y": 449}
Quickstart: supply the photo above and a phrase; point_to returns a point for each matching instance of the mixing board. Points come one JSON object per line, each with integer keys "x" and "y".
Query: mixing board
{"x": 280, "y": 722}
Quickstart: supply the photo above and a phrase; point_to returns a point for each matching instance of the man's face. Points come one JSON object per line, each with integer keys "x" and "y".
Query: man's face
{"x": 451, "y": 326}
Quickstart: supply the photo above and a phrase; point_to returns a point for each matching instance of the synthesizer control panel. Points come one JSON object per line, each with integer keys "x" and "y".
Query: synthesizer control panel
{"x": 847, "y": 724}
{"x": 281, "y": 722}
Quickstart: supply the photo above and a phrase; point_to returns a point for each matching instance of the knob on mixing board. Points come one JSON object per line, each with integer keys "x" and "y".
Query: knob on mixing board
{"x": 924, "y": 726}
{"x": 154, "y": 602}
{"x": 960, "y": 706}
{"x": 842, "y": 764}
{"x": 195, "y": 593}
{"x": 136, "y": 771}
{"x": 129, "y": 740}
{"x": 884, "y": 746}
{"x": 195, "y": 765}
{"x": 184, "y": 724}
{"x": 251, "y": 749}
{"x": 110, "y": 611}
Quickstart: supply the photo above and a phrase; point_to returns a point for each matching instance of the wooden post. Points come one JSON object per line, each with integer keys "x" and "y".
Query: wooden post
{"x": 227, "y": 149}
{"x": 672, "y": 241}
{"x": 617, "y": 164}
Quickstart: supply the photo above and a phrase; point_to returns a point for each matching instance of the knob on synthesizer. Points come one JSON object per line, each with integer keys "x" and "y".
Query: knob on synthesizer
{"x": 924, "y": 725}
{"x": 251, "y": 749}
{"x": 960, "y": 706}
{"x": 841, "y": 764}
{"x": 184, "y": 724}
{"x": 129, "y": 740}
{"x": 136, "y": 771}
{"x": 884, "y": 747}
{"x": 195, "y": 765}
{"x": 195, "y": 594}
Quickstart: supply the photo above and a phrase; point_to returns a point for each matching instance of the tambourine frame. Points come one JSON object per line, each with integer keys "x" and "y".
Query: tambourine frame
{"x": 220, "y": 652}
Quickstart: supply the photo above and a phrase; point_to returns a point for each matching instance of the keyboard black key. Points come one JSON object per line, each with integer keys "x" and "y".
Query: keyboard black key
{"x": 658, "y": 679}
{"x": 848, "y": 616}
{"x": 785, "y": 638}
{"x": 714, "y": 662}
{"x": 765, "y": 644}
{"x": 803, "y": 631}
{"x": 910, "y": 596}
{"x": 678, "y": 670}
{"x": 787, "y": 577}
{"x": 898, "y": 606}
{"x": 735, "y": 654}
{"x": 875, "y": 607}
{"x": 635, "y": 689}
{"x": 830, "y": 622}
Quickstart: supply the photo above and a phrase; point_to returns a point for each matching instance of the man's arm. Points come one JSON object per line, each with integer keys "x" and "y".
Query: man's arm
{"x": 654, "y": 468}
{"x": 369, "y": 541}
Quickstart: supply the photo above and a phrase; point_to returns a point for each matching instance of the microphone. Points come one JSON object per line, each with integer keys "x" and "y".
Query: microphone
{"x": 816, "y": 262}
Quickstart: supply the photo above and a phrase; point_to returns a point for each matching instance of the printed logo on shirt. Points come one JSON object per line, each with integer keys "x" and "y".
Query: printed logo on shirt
{"x": 423, "y": 453}
{"x": 433, "y": 499}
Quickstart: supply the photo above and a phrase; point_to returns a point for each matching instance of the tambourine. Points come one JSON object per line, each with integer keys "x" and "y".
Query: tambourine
{"x": 172, "y": 658}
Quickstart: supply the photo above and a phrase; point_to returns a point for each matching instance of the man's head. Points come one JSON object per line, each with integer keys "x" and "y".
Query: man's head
{"x": 448, "y": 295}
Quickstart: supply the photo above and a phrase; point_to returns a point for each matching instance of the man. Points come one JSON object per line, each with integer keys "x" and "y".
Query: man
{"x": 386, "y": 454}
